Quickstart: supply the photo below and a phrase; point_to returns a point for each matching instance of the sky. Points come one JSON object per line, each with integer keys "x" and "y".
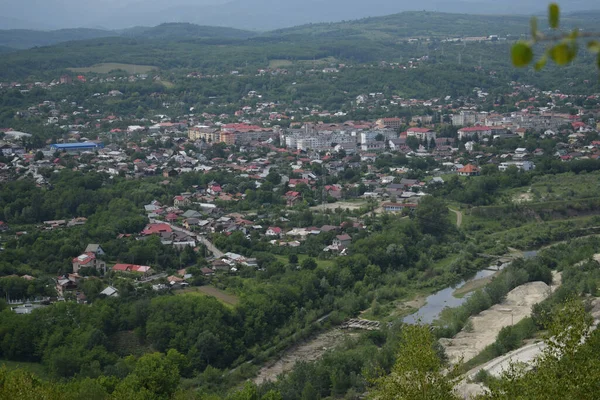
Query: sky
{"x": 257, "y": 15}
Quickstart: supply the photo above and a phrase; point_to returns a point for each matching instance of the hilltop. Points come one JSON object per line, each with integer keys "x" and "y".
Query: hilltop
{"x": 25, "y": 39}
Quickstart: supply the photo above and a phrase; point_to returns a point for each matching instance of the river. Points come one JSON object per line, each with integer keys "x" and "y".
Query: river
{"x": 436, "y": 302}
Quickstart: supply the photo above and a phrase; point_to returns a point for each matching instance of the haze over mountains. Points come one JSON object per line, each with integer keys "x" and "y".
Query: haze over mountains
{"x": 258, "y": 15}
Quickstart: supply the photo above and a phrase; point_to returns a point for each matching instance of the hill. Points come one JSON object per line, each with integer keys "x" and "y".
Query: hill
{"x": 433, "y": 24}
{"x": 25, "y": 39}
{"x": 368, "y": 40}
{"x": 185, "y": 31}
{"x": 248, "y": 14}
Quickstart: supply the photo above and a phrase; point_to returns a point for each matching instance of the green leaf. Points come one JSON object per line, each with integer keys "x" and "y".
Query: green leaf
{"x": 553, "y": 15}
{"x": 562, "y": 53}
{"x": 534, "y": 28}
{"x": 522, "y": 54}
{"x": 594, "y": 46}
{"x": 541, "y": 63}
{"x": 574, "y": 34}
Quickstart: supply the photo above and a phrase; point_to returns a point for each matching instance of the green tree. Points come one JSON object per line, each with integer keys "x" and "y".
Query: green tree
{"x": 309, "y": 263}
{"x": 418, "y": 372}
{"x": 568, "y": 368}
{"x": 154, "y": 376}
{"x": 432, "y": 216}
{"x": 563, "y": 48}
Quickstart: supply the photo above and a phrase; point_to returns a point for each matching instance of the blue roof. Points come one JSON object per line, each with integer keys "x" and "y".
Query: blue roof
{"x": 82, "y": 145}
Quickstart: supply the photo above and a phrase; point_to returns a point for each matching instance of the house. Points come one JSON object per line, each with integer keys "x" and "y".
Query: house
{"x": 180, "y": 201}
{"x": 469, "y": 170}
{"x": 94, "y": 248}
{"x": 190, "y": 223}
{"x": 273, "y": 231}
{"x": 153, "y": 229}
{"x": 207, "y": 271}
{"x": 342, "y": 240}
{"x": 292, "y": 198}
{"x": 521, "y": 153}
{"x": 3, "y": 226}
{"x": 397, "y": 207}
{"x": 140, "y": 269}
{"x": 214, "y": 189}
{"x": 397, "y": 144}
{"x": 67, "y": 283}
{"x": 522, "y": 165}
{"x": 191, "y": 214}
{"x": 88, "y": 260}
{"x": 110, "y": 291}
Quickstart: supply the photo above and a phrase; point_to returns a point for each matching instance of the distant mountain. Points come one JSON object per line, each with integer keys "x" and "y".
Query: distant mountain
{"x": 25, "y": 39}
{"x": 185, "y": 30}
{"x": 4, "y": 49}
{"x": 431, "y": 24}
{"x": 260, "y": 15}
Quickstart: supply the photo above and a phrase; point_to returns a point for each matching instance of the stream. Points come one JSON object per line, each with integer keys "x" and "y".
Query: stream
{"x": 436, "y": 302}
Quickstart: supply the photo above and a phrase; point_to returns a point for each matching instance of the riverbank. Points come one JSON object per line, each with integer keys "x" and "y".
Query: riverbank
{"x": 311, "y": 350}
{"x": 484, "y": 327}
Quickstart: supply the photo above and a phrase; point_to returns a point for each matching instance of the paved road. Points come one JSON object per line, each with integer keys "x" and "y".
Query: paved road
{"x": 459, "y": 216}
{"x": 211, "y": 247}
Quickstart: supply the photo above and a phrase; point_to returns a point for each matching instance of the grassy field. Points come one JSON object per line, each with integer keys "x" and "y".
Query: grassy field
{"x": 279, "y": 63}
{"x": 320, "y": 61}
{"x": 167, "y": 84}
{"x": 105, "y": 68}
{"x": 561, "y": 187}
{"x": 302, "y": 257}
{"x": 35, "y": 368}
{"x": 126, "y": 343}
{"x": 224, "y": 297}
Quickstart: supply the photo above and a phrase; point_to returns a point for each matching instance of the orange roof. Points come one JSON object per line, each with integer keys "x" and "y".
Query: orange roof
{"x": 469, "y": 169}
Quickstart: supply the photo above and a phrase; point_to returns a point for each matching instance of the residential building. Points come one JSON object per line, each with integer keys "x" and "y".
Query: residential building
{"x": 397, "y": 207}
{"x": 522, "y": 165}
{"x": 474, "y": 131}
{"x": 469, "y": 170}
{"x": 421, "y": 134}
{"x": 393, "y": 123}
{"x": 140, "y": 269}
{"x": 342, "y": 240}
{"x": 88, "y": 260}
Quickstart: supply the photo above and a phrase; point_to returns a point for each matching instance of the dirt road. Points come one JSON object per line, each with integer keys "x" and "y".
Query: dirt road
{"x": 459, "y": 217}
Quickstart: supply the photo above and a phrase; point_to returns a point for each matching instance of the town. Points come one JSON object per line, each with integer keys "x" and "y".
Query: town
{"x": 299, "y": 214}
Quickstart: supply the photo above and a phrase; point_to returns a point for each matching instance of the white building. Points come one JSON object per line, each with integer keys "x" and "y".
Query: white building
{"x": 522, "y": 165}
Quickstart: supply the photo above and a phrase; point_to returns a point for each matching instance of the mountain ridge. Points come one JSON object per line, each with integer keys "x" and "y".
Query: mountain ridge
{"x": 261, "y": 15}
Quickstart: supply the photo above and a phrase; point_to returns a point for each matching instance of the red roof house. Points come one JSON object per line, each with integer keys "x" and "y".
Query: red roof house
{"x": 154, "y": 229}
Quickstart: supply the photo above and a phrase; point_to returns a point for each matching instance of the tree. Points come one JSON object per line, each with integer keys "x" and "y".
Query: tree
{"x": 309, "y": 263}
{"x": 412, "y": 142}
{"x": 569, "y": 367}
{"x": 564, "y": 45}
{"x": 432, "y": 216}
{"x": 154, "y": 375}
{"x": 39, "y": 156}
{"x": 293, "y": 259}
{"x": 418, "y": 372}
{"x": 274, "y": 177}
